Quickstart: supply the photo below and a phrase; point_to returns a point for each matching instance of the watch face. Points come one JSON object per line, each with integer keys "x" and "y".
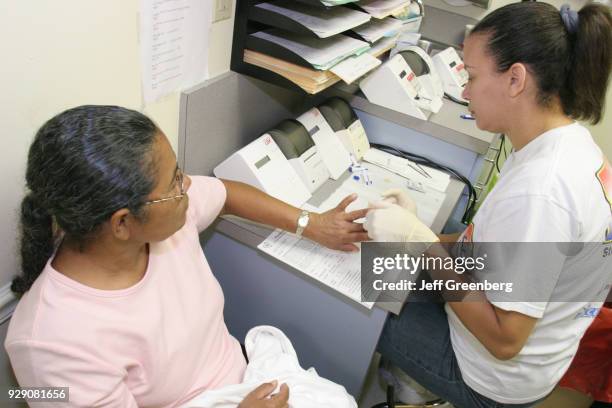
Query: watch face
{"x": 303, "y": 221}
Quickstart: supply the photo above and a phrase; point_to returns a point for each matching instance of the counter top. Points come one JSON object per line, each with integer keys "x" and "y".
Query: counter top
{"x": 252, "y": 234}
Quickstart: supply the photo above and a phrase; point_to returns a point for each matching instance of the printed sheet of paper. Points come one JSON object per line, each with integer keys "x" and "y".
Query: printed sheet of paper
{"x": 353, "y": 68}
{"x": 173, "y": 45}
{"x": 338, "y": 270}
{"x": 383, "y": 8}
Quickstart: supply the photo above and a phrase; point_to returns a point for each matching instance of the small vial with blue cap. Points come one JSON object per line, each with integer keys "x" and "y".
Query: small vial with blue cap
{"x": 360, "y": 173}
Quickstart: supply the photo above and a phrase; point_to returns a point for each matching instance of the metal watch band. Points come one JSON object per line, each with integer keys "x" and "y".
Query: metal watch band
{"x": 302, "y": 222}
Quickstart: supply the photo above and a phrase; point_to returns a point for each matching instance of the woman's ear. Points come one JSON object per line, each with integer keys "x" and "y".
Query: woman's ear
{"x": 120, "y": 223}
{"x": 518, "y": 79}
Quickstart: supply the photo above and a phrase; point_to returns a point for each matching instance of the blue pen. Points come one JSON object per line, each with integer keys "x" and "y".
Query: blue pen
{"x": 467, "y": 116}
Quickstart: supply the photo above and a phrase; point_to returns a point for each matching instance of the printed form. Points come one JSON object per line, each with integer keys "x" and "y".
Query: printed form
{"x": 338, "y": 270}
{"x": 173, "y": 45}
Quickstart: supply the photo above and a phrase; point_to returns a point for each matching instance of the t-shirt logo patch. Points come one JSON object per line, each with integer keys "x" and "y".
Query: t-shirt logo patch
{"x": 588, "y": 312}
{"x": 466, "y": 243}
{"x": 604, "y": 175}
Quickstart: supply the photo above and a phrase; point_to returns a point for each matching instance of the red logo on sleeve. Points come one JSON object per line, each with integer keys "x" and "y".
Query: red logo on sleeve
{"x": 468, "y": 234}
{"x": 604, "y": 176}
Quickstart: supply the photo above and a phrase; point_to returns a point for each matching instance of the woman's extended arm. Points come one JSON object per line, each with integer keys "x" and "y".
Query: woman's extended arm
{"x": 335, "y": 228}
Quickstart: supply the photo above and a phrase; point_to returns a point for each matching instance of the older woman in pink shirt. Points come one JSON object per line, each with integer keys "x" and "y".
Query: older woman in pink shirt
{"x": 117, "y": 299}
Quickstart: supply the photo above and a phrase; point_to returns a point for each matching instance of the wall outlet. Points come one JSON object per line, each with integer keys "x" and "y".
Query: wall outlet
{"x": 222, "y": 11}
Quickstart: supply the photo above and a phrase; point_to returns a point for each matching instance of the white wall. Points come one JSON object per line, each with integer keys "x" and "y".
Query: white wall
{"x": 62, "y": 53}
{"x": 602, "y": 132}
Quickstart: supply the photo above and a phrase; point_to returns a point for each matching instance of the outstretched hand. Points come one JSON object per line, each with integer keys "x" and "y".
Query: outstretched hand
{"x": 336, "y": 228}
{"x": 400, "y": 197}
{"x": 389, "y": 222}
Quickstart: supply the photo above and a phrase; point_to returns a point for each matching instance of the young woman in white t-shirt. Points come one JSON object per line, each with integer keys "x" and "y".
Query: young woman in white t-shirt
{"x": 533, "y": 71}
{"x": 117, "y": 301}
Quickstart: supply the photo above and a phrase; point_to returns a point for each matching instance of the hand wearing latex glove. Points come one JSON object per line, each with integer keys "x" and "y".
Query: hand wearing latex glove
{"x": 392, "y": 223}
{"x": 260, "y": 397}
{"x": 400, "y": 197}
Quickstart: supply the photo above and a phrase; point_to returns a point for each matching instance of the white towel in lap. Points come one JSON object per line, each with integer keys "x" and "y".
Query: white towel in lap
{"x": 272, "y": 357}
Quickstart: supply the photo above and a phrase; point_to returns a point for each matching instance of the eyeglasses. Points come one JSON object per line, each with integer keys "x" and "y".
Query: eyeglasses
{"x": 179, "y": 178}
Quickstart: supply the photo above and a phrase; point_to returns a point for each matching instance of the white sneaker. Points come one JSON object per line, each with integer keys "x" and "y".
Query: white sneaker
{"x": 409, "y": 391}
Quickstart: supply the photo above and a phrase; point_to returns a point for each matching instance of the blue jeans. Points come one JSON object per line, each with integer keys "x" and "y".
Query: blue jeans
{"x": 418, "y": 342}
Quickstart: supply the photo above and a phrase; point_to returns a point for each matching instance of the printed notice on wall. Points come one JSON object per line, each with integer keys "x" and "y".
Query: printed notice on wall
{"x": 174, "y": 45}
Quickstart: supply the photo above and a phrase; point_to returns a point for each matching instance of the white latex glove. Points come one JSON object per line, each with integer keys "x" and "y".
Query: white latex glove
{"x": 400, "y": 197}
{"x": 392, "y": 223}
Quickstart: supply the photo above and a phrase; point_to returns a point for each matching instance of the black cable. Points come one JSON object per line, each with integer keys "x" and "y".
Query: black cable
{"x": 428, "y": 162}
{"x": 501, "y": 146}
{"x": 459, "y": 101}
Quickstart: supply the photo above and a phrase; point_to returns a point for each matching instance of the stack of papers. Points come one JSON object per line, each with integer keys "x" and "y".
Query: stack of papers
{"x": 321, "y": 53}
{"x": 323, "y": 22}
{"x": 383, "y": 8}
{"x": 310, "y": 80}
{"x": 376, "y": 29}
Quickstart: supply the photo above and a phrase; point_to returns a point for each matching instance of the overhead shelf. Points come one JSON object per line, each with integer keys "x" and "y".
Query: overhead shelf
{"x": 261, "y": 58}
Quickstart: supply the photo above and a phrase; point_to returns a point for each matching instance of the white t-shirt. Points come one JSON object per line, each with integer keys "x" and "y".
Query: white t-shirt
{"x": 555, "y": 189}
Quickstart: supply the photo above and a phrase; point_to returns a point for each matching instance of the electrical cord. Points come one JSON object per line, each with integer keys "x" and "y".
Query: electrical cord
{"x": 452, "y": 98}
{"x": 428, "y": 162}
{"x": 501, "y": 147}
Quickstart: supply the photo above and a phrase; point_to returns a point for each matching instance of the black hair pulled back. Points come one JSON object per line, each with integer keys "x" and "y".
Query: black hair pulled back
{"x": 570, "y": 63}
{"x": 83, "y": 165}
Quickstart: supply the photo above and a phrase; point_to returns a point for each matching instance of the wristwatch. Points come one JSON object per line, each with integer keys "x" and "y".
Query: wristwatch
{"x": 302, "y": 222}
